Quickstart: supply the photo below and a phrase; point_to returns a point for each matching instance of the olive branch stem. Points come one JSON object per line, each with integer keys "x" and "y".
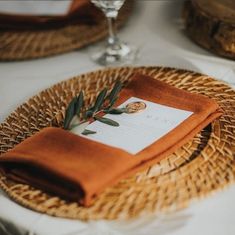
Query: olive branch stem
{"x": 76, "y": 116}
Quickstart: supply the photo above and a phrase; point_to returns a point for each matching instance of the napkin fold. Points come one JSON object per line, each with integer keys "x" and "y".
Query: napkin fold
{"x": 77, "y": 168}
{"x": 79, "y": 12}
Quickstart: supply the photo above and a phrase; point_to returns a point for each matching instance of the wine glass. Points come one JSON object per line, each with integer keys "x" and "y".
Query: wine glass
{"x": 116, "y": 51}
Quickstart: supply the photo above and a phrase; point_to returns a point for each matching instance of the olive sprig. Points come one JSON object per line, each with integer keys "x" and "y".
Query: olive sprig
{"x": 77, "y": 116}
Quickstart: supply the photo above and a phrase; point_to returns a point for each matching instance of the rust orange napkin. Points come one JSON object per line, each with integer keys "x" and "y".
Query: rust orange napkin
{"x": 77, "y": 168}
{"x": 80, "y": 11}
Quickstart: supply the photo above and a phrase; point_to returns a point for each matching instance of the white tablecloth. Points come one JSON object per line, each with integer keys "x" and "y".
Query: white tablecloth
{"x": 157, "y": 29}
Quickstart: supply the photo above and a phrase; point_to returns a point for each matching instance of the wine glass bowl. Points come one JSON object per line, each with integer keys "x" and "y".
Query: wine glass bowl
{"x": 109, "y": 7}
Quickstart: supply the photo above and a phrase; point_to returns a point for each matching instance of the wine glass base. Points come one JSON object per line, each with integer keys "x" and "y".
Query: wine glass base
{"x": 121, "y": 54}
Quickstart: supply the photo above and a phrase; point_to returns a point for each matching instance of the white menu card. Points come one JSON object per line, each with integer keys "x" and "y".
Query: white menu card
{"x": 136, "y": 131}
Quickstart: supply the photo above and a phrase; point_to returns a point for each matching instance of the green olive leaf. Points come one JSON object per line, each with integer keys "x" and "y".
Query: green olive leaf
{"x": 69, "y": 113}
{"x": 100, "y": 100}
{"x": 106, "y": 121}
{"x": 115, "y": 91}
{"x": 88, "y": 132}
{"x": 115, "y": 111}
{"x": 79, "y": 103}
{"x": 113, "y": 102}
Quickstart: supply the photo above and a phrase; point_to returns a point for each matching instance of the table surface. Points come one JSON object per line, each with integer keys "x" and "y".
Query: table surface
{"x": 156, "y": 28}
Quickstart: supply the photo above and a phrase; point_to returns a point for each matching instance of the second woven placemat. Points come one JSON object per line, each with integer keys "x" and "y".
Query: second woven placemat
{"x": 32, "y": 44}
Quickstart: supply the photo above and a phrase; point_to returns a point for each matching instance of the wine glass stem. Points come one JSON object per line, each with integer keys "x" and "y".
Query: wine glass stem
{"x": 112, "y": 38}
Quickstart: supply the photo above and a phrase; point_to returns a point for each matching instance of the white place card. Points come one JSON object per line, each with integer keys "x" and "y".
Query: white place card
{"x": 138, "y": 130}
{"x": 35, "y": 7}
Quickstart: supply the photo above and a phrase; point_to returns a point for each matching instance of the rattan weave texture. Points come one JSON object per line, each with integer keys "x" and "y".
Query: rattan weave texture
{"x": 200, "y": 167}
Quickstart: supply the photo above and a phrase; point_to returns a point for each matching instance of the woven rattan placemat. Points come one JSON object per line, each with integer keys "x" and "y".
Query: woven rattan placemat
{"x": 31, "y": 44}
{"x": 200, "y": 167}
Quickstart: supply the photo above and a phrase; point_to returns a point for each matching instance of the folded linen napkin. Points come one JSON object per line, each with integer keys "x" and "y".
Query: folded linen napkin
{"x": 77, "y": 168}
{"x": 29, "y": 15}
